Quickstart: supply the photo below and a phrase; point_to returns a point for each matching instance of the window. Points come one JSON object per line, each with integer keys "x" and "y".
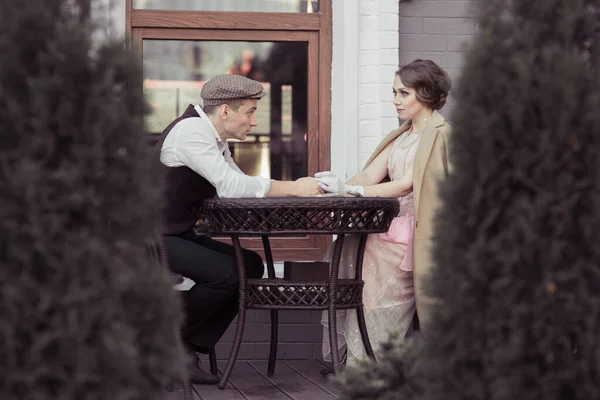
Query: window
{"x": 284, "y": 44}
{"x": 175, "y": 71}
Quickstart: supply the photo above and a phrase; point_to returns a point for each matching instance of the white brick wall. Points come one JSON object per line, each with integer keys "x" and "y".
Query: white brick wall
{"x": 438, "y": 30}
{"x": 110, "y": 14}
{"x": 378, "y": 60}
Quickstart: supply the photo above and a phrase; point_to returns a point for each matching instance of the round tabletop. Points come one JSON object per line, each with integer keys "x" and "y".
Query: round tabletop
{"x": 288, "y": 215}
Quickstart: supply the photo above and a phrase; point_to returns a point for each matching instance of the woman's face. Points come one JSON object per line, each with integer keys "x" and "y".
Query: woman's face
{"x": 406, "y": 102}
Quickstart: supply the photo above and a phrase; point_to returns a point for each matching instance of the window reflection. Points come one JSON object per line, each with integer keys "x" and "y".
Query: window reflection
{"x": 303, "y": 6}
{"x": 175, "y": 72}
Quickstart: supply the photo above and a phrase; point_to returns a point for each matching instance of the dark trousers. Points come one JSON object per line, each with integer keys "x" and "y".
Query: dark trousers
{"x": 212, "y": 303}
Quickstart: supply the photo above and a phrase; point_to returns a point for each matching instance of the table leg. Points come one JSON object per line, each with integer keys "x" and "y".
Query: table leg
{"x": 239, "y": 331}
{"x": 360, "y": 312}
{"x": 274, "y": 313}
{"x": 335, "y": 266}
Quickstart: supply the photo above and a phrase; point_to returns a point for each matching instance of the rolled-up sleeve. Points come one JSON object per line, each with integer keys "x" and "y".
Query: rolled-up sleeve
{"x": 265, "y": 185}
{"x": 197, "y": 148}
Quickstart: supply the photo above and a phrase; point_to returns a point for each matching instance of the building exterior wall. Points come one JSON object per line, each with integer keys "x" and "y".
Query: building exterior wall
{"x": 388, "y": 33}
{"x": 300, "y": 336}
{"x": 438, "y": 30}
{"x": 378, "y": 61}
{"x": 370, "y": 39}
{"x": 365, "y": 57}
{"x": 110, "y": 14}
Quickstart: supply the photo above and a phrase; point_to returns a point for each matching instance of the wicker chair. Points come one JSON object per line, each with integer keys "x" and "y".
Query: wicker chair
{"x": 158, "y": 254}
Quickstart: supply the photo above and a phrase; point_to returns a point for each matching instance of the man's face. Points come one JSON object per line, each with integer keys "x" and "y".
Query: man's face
{"x": 238, "y": 124}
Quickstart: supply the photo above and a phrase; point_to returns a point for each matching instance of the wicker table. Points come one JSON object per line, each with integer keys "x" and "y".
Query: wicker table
{"x": 292, "y": 215}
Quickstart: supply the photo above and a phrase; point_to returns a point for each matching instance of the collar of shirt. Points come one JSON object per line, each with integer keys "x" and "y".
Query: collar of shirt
{"x": 203, "y": 115}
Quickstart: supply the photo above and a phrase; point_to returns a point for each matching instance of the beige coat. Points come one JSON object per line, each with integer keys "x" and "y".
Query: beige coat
{"x": 431, "y": 166}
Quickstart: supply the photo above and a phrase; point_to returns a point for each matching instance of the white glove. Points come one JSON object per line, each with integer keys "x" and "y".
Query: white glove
{"x": 331, "y": 183}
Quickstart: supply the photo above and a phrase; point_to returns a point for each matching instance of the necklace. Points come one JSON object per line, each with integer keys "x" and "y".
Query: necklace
{"x": 412, "y": 128}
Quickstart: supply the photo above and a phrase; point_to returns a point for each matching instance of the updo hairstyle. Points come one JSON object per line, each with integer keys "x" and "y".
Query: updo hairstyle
{"x": 430, "y": 82}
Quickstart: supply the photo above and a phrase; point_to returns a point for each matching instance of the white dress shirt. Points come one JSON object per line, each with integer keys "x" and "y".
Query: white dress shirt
{"x": 195, "y": 143}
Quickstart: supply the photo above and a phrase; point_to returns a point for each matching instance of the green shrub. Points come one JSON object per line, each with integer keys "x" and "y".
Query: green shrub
{"x": 516, "y": 251}
{"x": 83, "y": 312}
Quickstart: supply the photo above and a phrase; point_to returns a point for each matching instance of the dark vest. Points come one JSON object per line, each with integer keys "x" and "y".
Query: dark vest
{"x": 185, "y": 190}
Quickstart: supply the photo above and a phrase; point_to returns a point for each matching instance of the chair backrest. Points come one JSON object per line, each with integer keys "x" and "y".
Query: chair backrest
{"x": 158, "y": 254}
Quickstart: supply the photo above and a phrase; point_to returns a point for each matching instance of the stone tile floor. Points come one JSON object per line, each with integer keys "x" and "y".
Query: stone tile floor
{"x": 293, "y": 379}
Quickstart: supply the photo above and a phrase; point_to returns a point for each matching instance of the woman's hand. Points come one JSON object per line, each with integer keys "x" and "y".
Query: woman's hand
{"x": 331, "y": 183}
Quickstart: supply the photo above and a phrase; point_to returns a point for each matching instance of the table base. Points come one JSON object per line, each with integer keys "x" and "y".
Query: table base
{"x": 274, "y": 294}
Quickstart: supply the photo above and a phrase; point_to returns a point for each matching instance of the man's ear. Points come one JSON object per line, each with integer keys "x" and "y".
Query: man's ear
{"x": 224, "y": 111}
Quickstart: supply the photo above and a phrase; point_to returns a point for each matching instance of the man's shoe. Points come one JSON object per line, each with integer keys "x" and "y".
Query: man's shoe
{"x": 197, "y": 374}
{"x": 201, "y": 377}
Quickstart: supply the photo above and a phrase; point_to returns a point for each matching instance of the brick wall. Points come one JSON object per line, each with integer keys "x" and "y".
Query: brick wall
{"x": 389, "y": 31}
{"x": 300, "y": 336}
{"x": 300, "y": 333}
{"x": 378, "y": 60}
{"x": 438, "y": 30}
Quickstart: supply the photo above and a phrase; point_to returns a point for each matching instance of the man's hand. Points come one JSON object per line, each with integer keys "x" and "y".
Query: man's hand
{"x": 307, "y": 187}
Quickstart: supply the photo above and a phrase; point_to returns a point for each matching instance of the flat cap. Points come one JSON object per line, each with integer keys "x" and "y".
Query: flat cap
{"x": 222, "y": 88}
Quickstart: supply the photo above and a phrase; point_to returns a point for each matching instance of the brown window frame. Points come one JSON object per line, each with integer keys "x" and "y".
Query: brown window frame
{"x": 316, "y": 29}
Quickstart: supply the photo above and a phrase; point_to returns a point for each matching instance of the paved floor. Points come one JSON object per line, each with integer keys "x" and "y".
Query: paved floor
{"x": 293, "y": 379}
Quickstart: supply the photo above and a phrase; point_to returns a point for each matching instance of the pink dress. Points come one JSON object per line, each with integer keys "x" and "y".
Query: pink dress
{"x": 388, "y": 294}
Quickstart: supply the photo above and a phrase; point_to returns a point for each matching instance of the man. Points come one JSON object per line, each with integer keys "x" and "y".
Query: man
{"x": 199, "y": 166}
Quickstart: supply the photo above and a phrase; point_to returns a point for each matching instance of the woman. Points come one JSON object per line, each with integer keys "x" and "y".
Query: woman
{"x": 407, "y": 164}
